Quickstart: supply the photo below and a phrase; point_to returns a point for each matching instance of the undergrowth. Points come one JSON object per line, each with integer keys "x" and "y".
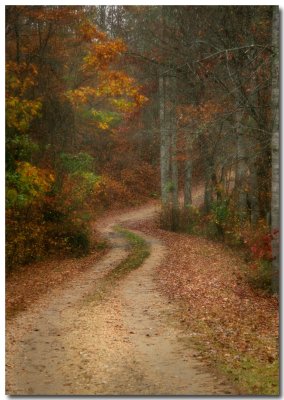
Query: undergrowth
{"x": 223, "y": 224}
{"x": 250, "y": 373}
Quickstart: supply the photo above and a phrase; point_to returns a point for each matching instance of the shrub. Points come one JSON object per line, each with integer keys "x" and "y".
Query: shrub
{"x": 110, "y": 192}
{"x": 260, "y": 275}
{"x": 140, "y": 179}
{"x": 79, "y": 242}
{"x": 220, "y": 216}
{"x": 189, "y": 219}
{"x": 27, "y": 185}
{"x": 25, "y": 238}
{"x": 74, "y": 163}
{"x": 169, "y": 218}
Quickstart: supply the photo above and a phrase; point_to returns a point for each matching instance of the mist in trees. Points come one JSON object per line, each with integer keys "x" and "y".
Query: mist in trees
{"x": 104, "y": 104}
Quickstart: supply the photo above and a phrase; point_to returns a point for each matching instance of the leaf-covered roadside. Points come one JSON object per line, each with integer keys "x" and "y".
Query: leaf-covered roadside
{"x": 234, "y": 327}
{"x": 30, "y": 283}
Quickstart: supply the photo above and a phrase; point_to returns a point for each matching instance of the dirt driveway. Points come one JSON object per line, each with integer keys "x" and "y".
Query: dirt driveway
{"x": 129, "y": 344}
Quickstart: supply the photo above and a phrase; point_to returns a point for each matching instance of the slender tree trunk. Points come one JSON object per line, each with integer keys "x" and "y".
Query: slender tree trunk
{"x": 174, "y": 163}
{"x": 102, "y": 14}
{"x": 165, "y": 139}
{"x": 275, "y": 148}
{"x": 241, "y": 169}
{"x": 208, "y": 192}
{"x": 220, "y": 189}
{"x": 253, "y": 197}
{"x": 18, "y": 52}
{"x": 188, "y": 174}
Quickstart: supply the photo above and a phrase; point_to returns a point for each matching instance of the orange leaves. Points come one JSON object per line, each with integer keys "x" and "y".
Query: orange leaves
{"x": 140, "y": 99}
{"x": 114, "y": 87}
{"x": 107, "y": 85}
{"x": 102, "y": 54}
{"x": 115, "y": 83}
{"x": 90, "y": 32}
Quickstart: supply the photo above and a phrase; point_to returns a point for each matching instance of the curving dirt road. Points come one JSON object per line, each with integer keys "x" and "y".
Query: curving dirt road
{"x": 128, "y": 344}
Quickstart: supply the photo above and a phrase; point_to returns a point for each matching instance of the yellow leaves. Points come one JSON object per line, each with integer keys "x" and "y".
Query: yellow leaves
{"x": 20, "y": 77}
{"x": 118, "y": 84}
{"x": 115, "y": 83}
{"x": 114, "y": 86}
{"x": 103, "y": 125}
{"x": 51, "y": 178}
{"x": 105, "y": 119}
{"x": 20, "y": 111}
{"x": 126, "y": 106}
{"x": 81, "y": 95}
{"x": 122, "y": 104}
{"x": 37, "y": 180}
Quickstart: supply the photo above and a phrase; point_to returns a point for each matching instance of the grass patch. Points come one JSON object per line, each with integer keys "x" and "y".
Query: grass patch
{"x": 248, "y": 373}
{"x": 253, "y": 376}
{"x": 139, "y": 251}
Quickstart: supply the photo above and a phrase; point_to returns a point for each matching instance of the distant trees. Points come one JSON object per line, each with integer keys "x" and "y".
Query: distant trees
{"x": 215, "y": 65}
{"x": 275, "y": 195}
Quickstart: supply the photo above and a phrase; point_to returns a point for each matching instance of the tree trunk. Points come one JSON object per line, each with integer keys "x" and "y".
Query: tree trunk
{"x": 165, "y": 139}
{"x": 18, "y": 52}
{"x": 188, "y": 174}
{"x": 174, "y": 163}
{"x": 253, "y": 196}
{"x": 241, "y": 169}
{"x": 208, "y": 192}
{"x": 275, "y": 149}
{"x": 102, "y": 17}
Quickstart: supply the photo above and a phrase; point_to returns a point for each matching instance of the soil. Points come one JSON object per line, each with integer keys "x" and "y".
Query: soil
{"x": 130, "y": 343}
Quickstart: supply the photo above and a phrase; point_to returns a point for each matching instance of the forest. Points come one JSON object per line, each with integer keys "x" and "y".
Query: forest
{"x": 110, "y": 109}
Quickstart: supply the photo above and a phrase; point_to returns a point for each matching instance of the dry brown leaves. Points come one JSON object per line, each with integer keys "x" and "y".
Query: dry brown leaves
{"x": 208, "y": 279}
{"x": 29, "y": 283}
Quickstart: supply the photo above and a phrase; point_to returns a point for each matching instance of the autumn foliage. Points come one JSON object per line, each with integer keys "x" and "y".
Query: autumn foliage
{"x": 65, "y": 88}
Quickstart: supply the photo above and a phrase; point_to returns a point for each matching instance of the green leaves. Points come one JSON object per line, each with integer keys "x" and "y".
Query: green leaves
{"x": 20, "y": 148}
{"x": 81, "y": 162}
{"x": 26, "y": 185}
{"x": 106, "y": 119}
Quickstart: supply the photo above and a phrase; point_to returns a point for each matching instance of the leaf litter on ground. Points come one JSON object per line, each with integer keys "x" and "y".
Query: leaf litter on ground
{"x": 234, "y": 327}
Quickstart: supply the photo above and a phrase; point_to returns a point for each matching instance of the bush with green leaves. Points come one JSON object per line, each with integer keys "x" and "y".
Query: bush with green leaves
{"x": 76, "y": 163}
